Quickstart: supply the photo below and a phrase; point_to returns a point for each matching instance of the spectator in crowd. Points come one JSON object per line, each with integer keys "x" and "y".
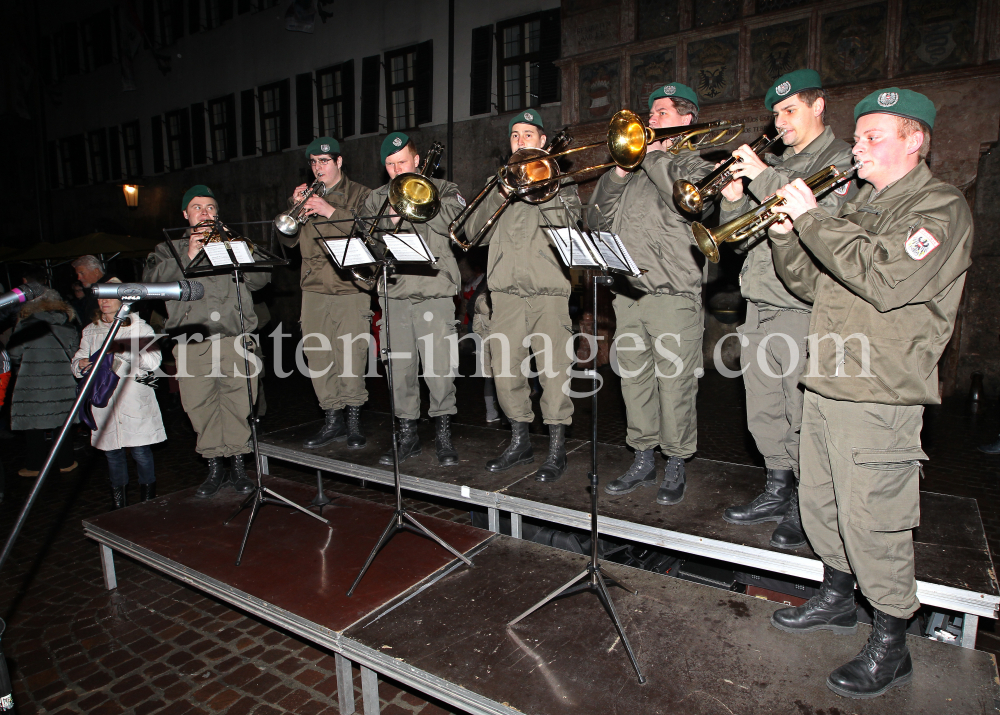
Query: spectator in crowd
{"x": 89, "y": 271}
{"x": 78, "y": 300}
{"x": 42, "y": 347}
{"x": 132, "y": 417}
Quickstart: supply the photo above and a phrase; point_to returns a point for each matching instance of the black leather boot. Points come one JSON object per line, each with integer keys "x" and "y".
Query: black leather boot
{"x": 771, "y": 505}
{"x": 334, "y": 429}
{"x": 789, "y": 534}
{"x": 216, "y": 476}
{"x": 355, "y": 439}
{"x": 241, "y": 482}
{"x": 555, "y": 463}
{"x": 517, "y": 452}
{"x": 119, "y": 497}
{"x": 883, "y": 663}
{"x": 447, "y": 455}
{"x": 147, "y": 492}
{"x": 671, "y": 491}
{"x": 409, "y": 443}
{"x": 642, "y": 473}
{"x": 832, "y": 609}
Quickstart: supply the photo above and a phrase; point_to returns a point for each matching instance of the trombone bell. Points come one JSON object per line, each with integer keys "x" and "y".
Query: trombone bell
{"x": 414, "y": 197}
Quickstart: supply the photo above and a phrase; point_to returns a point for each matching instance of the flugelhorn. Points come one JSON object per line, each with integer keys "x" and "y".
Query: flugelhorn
{"x": 760, "y": 219}
{"x": 691, "y": 197}
{"x": 289, "y": 221}
{"x": 412, "y": 196}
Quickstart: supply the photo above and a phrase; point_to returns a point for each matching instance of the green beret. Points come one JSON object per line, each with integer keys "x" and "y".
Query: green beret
{"x": 196, "y": 190}
{"x": 528, "y": 116}
{"x": 901, "y": 102}
{"x": 323, "y": 145}
{"x": 674, "y": 90}
{"x": 392, "y": 143}
{"x": 792, "y": 83}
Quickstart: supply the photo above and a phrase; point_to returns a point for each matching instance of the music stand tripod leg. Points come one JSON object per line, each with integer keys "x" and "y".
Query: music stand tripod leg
{"x": 432, "y": 535}
{"x": 395, "y": 524}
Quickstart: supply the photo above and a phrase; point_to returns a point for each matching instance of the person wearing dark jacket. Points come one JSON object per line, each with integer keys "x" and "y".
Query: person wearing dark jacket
{"x": 41, "y": 348}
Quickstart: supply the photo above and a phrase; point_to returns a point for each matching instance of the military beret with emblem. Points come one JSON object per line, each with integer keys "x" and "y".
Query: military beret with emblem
{"x": 195, "y": 191}
{"x": 791, "y": 83}
{"x": 674, "y": 90}
{"x": 528, "y": 116}
{"x": 901, "y": 102}
{"x": 323, "y": 145}
{"x": 393, "y": 143}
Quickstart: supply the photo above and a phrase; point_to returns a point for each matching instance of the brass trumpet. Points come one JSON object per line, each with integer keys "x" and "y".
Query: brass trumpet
{"x": 412, "y": 196}
{"x": 760, "y": 219}
{"x": 215, "y": 231}
{"x": 691, "y": 197}
{"x": 289, "y": 221}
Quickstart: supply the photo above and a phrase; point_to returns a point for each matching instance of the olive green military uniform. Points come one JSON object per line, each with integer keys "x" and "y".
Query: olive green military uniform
{"x": 421, "y": 310}
{"x": 211, "y": 371}
{"x": 530, "y": 294}
{"x": 774, "y": 351}
{"x": 333, "y": 305}
{"x": 660, "y": 320}
{"x": 890, "y": 273}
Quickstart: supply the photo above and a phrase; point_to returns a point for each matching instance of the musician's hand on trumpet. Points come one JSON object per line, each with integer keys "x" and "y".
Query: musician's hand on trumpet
{"x": 733, "y": 191}
{"x": 750, "y": 164}
{"x": 799, "y": 198}
{"x": 196, "y": 241}
{"x": 315, "y": 205}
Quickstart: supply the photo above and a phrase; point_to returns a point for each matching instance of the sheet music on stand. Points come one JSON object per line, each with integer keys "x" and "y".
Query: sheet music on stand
{"x": 238, "y": 249}
{"x": 228, "y": 253}
{"x": 575, "y": 249}
{"x": 408, "y": 248}
{"x": 349, "y": 251}
{"x": 611, "y": 248}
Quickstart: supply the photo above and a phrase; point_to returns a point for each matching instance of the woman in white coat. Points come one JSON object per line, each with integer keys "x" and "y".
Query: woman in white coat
{"x": 132, "y": 417}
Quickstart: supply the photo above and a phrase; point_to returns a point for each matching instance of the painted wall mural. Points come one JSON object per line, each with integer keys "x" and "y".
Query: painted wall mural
{"x": 713, "y": 68}
{"x": 776, "y": 50}
{"x": 937, "y": 34}
{"x": 600, "y": 90}
{"x": 852, "y": 45}
{"x": 649, "y": 71}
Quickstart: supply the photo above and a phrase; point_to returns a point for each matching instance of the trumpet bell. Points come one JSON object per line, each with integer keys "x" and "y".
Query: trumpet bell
{"x": 706, "y": 242}
{"x": 286, "y": 224}
{"x": 414, "y": 197}
{"x": 627, "y": 139}
{"x": 688, "y": 197}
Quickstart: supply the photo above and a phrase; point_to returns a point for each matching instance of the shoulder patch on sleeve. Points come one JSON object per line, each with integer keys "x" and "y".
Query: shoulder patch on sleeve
{"x": 460, "y": 198}
{"x": 843, "y": 189}
{"x": 920, "y": 244}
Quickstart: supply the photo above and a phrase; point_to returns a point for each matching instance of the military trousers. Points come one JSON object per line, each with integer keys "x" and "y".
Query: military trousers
{"x": 344, "y": 320}
{"x": 859, "y": 494}
{"x": 657, "y": 353}
{"x": 536, "y": 325}
{"x": 419, "y": 333}
{"x": 772, "y": 358}
{"x": 211, "y": 376}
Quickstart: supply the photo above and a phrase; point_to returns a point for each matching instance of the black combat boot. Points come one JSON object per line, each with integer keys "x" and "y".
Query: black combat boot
{"x": 555, "y": 463}
{"x": 147, "y": 492}
{"x": 883, "y": 663}
{"x": 119, "y": 497}
{"x": 671, "y": 491}
{"x": 832, "y": 609}
{"x": 334, "y": 428}
{"x": 789, "y": 534}
{"x": 355, "y": 439}
{"x": 409, "y": 443}
{"x": 642, "y": 473}
{"x": 517, "y": 452}
{"x": 770, "y": 505}
{"x": 216, "y": 476}
{"x": 241, "y": 482}
{"x": 447, "y": 455}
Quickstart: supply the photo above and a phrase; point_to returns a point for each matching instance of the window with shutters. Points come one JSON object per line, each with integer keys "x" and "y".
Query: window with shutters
{"x": 330, "y": 98}
{"x": 526, "y": 49}
{"x": 401, "y": 88}
{"x": 132, "y": 153}
{"x": 177, "y": 130}
{"x": 275, "y": 132}
{"x": 73, "y": 160}
{"x": 481, "y": 74}
{"x": 222, "y": 128}
{"x": 98, "y": 141}
{"x": 371, "y": 78}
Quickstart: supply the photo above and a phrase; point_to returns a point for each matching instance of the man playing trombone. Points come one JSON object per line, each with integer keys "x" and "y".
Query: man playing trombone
{"x": 660, "y": 321}
{"x": 334, "y": 307}
{"x": 773, "y": 338}
{"x": 530, "y": 291}
{"x": 421, "y": 307}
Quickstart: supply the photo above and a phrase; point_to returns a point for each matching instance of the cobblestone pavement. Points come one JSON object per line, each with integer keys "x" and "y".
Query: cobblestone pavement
{"x": 155, "y": 645}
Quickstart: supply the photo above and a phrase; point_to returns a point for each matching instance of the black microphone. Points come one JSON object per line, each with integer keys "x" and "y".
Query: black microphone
{"x": 177, "y": 290}
{"x": 29, "y": 291}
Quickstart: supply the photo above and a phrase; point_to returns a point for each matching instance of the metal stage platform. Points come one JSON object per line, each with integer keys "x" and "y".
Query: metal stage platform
{"x": 440, "y": 627}
{"x": 954, "y": 567}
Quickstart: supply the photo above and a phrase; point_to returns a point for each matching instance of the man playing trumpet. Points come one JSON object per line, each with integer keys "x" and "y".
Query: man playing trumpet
{"x": 773, "y": 338}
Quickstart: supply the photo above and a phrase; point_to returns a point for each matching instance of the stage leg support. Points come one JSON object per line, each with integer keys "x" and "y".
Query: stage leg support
{"x": 108, "y": 567}
{"x": 369, "y": 690}
{"x": 970, "y": 624}
{"x": 345, "y": 685}
{"x": 515, "y": 525}
{"x": 494, "y": 516}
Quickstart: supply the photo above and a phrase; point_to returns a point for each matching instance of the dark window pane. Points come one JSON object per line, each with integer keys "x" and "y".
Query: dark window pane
{"x": 304, "y": 108}
{"x": 248, "y": 118}
{"x": 370, "y": 77}
{"x": 481, "y": 76}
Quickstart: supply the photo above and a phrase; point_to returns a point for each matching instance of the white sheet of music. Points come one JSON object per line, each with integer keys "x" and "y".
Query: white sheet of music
{"x": 242, "y": 251}
{"x": 573, "y": 247}
{"x": 357, "y": 253}
{"x": 613, "y": 251}
{"x": 217, "y": 254}
{"x": 408, "y": 247}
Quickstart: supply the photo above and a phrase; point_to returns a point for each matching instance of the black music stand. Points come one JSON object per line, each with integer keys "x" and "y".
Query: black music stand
{"x": 578, "y": 247}
{"x": 235, "y": 256}
{"x": 412, "y": 249}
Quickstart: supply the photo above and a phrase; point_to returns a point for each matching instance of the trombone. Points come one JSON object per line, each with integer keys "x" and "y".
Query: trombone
{"x": 691, "y": 197}
{"x": 412, "y": 196}
{"x": 760, "y": 219}
{"x": 533, "y": 174}
{"x": 289, "y": 221}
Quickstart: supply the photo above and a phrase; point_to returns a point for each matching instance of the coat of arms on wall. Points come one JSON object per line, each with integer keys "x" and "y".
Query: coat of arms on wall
{"x": 600, "y": 90}
{"x": 774, "y": 51}
{"x": 712, "y": 68}
{"x": 937, "y": 34}
{"x": 852, "y": 45}
{"x": 649, "y": 71}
